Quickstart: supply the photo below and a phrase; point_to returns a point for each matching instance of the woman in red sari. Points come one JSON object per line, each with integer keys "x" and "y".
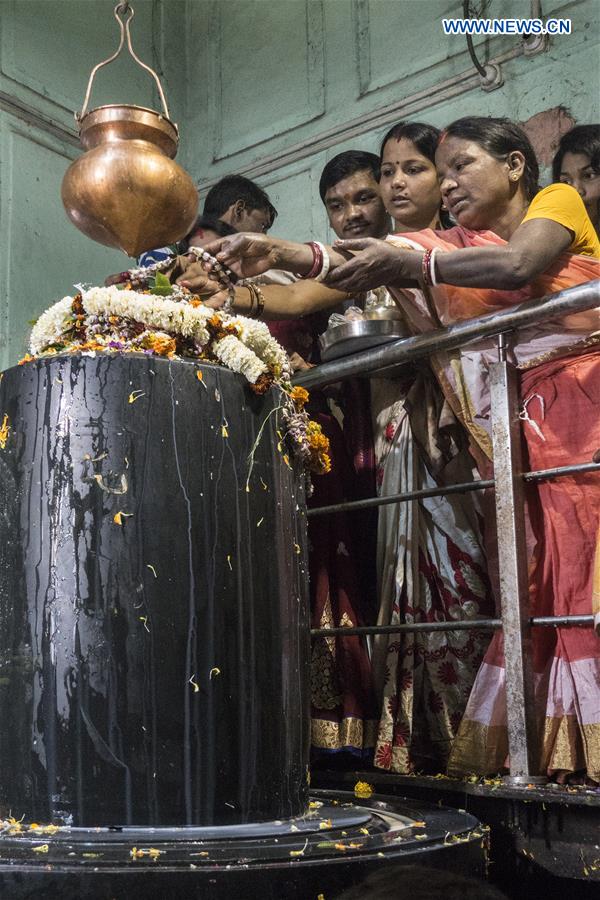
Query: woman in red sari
{"x": 514, "y": 243}
{"x": 343, "y": 704}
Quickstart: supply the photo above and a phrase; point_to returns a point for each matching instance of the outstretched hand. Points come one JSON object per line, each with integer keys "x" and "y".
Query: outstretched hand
{"x": 377, "y": 263}
{"x": 246, "y": 254}
{"x": 196, "y": 279}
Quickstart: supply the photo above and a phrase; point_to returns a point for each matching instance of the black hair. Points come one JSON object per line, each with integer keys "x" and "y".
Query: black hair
{"x": 345, "y": 164}
{"x": 223, "y": 229}
{"x": 581, "y": 139}
{"x": 499, "y": 138}
{"x": 232, "y": 188}
{"x": 424, "y": 137}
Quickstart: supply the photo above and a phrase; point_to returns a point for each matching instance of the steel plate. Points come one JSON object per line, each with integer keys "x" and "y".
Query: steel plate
{"x": 352, "y": 337}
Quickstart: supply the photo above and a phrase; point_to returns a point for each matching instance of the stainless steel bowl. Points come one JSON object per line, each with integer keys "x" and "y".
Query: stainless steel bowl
{"x": 360, "y": 335}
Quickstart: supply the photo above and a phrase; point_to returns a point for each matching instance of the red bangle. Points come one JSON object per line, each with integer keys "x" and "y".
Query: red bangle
{"x": 426, "y": 268}
{"x": 317, "y": 265}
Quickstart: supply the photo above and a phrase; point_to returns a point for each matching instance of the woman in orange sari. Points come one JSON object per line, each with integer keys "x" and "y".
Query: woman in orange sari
{"x": 512, "y": 244}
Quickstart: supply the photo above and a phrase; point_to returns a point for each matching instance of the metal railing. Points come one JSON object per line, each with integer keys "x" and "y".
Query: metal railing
{"x": 508, "y": 483}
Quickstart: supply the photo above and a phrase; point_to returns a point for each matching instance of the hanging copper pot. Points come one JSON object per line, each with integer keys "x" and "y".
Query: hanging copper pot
{"x": 126, "y": 191}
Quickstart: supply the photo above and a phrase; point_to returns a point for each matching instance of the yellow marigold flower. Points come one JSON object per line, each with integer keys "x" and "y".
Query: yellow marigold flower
{"x": 363, "y": 790}
{"x": 299, "y": 395}
{"x": 325, "y": 461}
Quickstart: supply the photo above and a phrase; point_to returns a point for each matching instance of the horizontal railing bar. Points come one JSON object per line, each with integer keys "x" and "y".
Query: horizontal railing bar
{"x": 470, "y": 625}
{"x": 560, "y": 471}
{"x": 461, "y": 488}
{"x": 378, "y": 359}
{"x": 554, "y": 621}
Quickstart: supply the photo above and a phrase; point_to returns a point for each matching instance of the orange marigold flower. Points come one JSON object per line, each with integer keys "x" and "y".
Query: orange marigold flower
{"x": 325, "y": 461}
{"x": 164, "y": 346}
{"x": 4, "y": 430}
{"x": 27, "y": 358}
{"x": 299, "y": 395}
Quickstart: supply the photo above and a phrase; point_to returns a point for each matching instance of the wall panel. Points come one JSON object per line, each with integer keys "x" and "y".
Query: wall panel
{"x": 385, "y": 61}
{"x": 282, "y": 62}
{"x": 47, "y": 50}
{"x": 45, "y": 254}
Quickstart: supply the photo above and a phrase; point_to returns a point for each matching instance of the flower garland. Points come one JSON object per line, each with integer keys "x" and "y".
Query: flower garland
{"x": 113, "y": 319}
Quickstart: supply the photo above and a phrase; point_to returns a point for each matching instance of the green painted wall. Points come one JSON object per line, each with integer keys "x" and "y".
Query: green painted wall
{"x": 276, "y": 89}
{"x": 268, "y": 88}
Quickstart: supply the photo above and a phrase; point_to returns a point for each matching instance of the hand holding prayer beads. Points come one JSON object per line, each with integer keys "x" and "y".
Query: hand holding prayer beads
{"x": 218, "y": 272}
{"x": 218, "y": 279}
{"x": 139, "y": 276}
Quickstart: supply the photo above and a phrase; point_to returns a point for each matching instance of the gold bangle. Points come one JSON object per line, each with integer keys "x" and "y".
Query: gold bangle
{"x": 260, "y": 299}
{"x": 252, "y": 300}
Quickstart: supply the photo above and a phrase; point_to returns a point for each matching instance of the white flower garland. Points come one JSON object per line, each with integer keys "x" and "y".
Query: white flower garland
{"x": 159, "y": 312}
{"x": 51, "y": 326}
{"x": 258, "y": 338}
{"x": 103, "y": 322}
{"x": 252, "y": 352}
{"x": 233, "y": 354}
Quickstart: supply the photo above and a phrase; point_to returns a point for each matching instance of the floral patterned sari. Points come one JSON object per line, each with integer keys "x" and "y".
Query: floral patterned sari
{"x": 431, "y": 567}
{"x": 343, "y": 707}
{"x": 560, "y": 391}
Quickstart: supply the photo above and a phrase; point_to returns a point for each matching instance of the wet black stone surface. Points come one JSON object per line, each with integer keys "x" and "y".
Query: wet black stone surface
{"x": 338, "y": 844}
{"x": 153, "y": 672}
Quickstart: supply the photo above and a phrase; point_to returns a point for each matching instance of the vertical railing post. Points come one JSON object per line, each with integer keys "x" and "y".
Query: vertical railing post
{"x": 512, "y": 553}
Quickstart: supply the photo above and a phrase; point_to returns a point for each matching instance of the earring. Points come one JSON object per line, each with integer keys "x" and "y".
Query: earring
{"x": 513, "y": 176}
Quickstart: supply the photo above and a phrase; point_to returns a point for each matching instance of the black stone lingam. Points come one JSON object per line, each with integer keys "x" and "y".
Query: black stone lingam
{"x": 154, "y": 651}
{"x": 153, "y": 601}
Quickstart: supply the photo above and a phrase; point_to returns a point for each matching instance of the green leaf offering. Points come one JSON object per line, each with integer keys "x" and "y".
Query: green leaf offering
{"x": 162, "y": 285}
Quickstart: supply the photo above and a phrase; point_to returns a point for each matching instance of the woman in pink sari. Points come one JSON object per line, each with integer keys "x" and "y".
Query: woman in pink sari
{"x": 512, "y": 244}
